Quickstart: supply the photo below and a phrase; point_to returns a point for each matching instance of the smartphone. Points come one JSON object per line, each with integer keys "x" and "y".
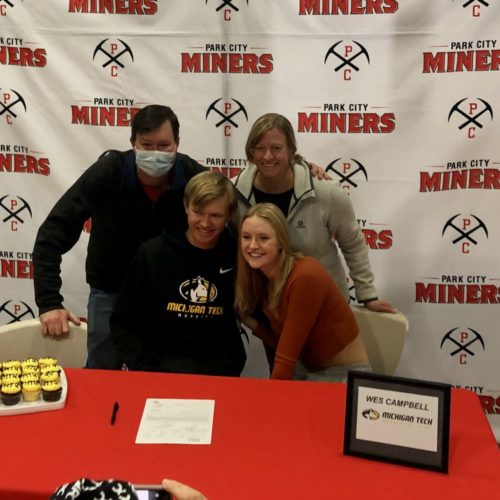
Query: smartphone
{"x": 152, "y": 493}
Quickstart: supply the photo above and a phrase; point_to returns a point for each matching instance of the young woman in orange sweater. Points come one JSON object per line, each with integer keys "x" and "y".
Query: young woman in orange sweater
{"x": 311, "y": 326}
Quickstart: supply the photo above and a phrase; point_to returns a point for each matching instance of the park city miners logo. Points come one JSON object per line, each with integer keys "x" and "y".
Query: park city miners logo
{"x": 462, "y": 343}
{"x": 15, "y": 210}
{"x": 105, "y": 112}
{"x": 11, "y": 312}
{"x": 471, "y": 56}
{"x": 113, "y": 55}
{"x": 21, "y": 160}
{"x": 226, "y": 113}
{"x": 227, "y": 7}
{"x": 346, "y": 118}
{"x": 11, "y": 103}
{"x": 345, "y": 55}
{"x": 119, "y": 7}
{"x": 464, "y": 230}
{"x": 348, "y": 172}
{"x": 477, "y": 173}
{"x": 475, "y": 6}
{"x": 346, "y": 7}
{"x": 17, "y": 52}
{"x": 198, "y": 290}
{"x": 470, "y": 114}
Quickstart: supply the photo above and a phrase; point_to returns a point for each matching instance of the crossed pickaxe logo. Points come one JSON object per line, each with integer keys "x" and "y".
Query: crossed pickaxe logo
{"x": 226, "y": 117}
{"x": 8, "y": 108}
{"x": 347, "y": 177}
{"x": 347, "y": 61}
{"x": 16, "y": 317}
{"x": 14, "y": 214}
{"x": 226, "y": 3}
{"x": 113, "y": 58}
{"x": 465, "y": 234}
{"x": 462, "y": 346}
{"x": 466, "y": 4}
{"x": 470, "y": 119}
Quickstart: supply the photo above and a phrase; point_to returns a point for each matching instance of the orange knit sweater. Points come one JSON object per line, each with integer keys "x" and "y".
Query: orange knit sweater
{"x": 315, "y": 322}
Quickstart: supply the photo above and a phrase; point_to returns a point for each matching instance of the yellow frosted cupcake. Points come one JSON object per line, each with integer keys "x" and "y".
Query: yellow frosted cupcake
{"x": 50, "y": 369}
{"x": 11, "y": 363}
{"x": 31, "y": 370}
{"x": 29, "y": 377}
{"x": 11, "y": 394}
{"x": 11, "y": 379}
{"x": 13, "y": 370}
{"x": 28, "y": 362}
{"x": 47, "y": 361}
{"x": 49, "y": 377}
{"x": 31, "y": 391}
{"x": 51, "y": 391}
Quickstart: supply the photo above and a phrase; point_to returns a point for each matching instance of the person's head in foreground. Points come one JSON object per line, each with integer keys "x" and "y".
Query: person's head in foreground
{"x": 112, "y": 489}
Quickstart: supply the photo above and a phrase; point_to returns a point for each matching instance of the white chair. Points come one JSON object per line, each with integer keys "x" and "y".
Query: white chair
{"x": 23, "y": 339}
{"x": 383, "y": 335}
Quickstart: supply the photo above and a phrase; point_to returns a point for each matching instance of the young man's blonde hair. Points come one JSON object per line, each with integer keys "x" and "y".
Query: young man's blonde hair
{"x": 252, "y": 286}
{"x": 208, "y": 186}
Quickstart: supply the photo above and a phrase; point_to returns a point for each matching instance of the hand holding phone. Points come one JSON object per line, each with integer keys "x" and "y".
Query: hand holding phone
{"x": 152, "y": 492}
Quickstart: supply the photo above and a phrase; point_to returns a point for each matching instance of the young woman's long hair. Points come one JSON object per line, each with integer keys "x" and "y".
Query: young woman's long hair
{"x": 252, "y": 286}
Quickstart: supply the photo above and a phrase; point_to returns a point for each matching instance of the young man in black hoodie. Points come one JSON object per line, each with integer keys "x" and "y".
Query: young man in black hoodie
{"x": 175, "y": 310}
{"x": 129, "y": 196}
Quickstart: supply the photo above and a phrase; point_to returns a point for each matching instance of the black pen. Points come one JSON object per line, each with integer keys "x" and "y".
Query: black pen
{"x": 116, "y": 407}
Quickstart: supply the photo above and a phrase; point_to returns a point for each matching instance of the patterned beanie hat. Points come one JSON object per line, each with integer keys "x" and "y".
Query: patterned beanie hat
{"x": 90, "y": 489}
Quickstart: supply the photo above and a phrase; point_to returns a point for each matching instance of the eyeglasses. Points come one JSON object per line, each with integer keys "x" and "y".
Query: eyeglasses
{"x": 260, "y": 151}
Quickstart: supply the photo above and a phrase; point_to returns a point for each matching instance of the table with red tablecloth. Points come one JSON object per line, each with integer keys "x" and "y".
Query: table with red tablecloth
{"x": 271, "y": 440}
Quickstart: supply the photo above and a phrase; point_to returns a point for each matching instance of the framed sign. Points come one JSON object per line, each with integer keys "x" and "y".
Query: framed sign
{"x": 398, "y": 420}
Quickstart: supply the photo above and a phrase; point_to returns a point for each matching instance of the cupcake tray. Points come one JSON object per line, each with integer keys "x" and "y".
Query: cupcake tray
{"x": 36, "y": 406}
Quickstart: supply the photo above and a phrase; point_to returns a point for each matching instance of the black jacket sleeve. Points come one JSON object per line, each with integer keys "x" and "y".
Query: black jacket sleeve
{"x": 63, "y": 226}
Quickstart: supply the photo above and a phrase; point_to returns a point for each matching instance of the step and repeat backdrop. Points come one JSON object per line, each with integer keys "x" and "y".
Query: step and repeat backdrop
{"x": 397, "y": 99}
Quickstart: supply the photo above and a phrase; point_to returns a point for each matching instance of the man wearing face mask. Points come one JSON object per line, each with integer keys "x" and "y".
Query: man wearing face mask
{"x": 130, "y": 197}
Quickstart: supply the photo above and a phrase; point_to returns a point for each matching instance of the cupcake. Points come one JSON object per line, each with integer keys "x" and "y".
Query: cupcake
{"x": 49, "y": 377}
{"x": 11, "y": 379}
{"x": 29, "y": 377}
{"x": 13, "y": 370}
{"x": 11, "y": 363}
{"x": 31, "y": 369}
{"x": 50, "y": 368}
{"x": 51, "y": 391}
{"x": 29, "y": 362}
{"x": 31, "y": 391}
{"x": 11, "y": 394}
{"x": 47, "y": 361}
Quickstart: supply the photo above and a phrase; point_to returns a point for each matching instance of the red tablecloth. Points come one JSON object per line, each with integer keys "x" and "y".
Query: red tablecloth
{"x": 271, "y": 440}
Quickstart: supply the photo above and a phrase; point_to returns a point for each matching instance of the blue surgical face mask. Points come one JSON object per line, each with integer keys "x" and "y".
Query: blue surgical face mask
{"x": 154, "y": 163}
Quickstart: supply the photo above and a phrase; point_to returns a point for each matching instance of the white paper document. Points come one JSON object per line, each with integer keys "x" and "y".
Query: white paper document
{"x": 176, "y": 421}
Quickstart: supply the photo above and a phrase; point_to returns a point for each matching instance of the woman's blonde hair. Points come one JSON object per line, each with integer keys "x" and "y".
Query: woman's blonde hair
{"x": 262, "y": 126}
{"x": 252, "y": 286}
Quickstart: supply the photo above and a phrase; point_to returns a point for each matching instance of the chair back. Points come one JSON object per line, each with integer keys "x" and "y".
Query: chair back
{"x": 383, "y": 335}
{"x": 23, "y": 339}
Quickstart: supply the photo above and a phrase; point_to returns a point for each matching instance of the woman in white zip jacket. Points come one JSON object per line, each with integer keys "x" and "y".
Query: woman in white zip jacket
{"x": 320, "y": 215}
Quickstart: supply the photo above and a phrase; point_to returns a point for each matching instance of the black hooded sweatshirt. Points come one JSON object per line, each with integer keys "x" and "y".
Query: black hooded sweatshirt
{"x": 175, "y": 311}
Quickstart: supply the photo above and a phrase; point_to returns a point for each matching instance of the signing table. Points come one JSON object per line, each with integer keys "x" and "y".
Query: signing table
{"x": 271, "y": 440}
